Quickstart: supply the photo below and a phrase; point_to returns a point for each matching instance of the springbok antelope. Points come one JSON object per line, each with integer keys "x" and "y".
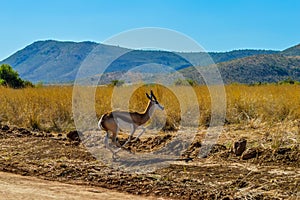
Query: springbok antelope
{"x": 113, "y": 121}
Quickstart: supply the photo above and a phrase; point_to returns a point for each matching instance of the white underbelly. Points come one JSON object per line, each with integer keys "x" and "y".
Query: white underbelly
{"x": 123, "y": 125}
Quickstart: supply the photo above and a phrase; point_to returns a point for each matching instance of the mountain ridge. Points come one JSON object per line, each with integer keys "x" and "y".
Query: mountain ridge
{"x": 52, "y": 61}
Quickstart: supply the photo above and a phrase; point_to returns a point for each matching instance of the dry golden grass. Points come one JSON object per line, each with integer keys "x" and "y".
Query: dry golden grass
{"x": 50, "y": 108}
{"x": 269, "y": 103}
{"x": 37, "y": 108}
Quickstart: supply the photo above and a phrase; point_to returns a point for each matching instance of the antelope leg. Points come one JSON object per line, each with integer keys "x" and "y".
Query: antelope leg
{"x": 128, "y": 140}
{"x": 139, "y": 135}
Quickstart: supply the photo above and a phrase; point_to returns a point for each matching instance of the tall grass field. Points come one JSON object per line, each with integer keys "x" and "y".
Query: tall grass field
{"x": 49, "y": 108}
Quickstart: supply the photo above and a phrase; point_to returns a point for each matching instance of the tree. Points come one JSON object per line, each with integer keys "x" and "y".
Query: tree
{"x": 10, "y": 77}
{"x": 185, "y": 82}
{"x": 116, "y": 82}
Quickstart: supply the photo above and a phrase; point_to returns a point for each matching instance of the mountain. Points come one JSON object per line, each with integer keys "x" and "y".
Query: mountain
{"x": 49, "y": 60}
{"x": 54, "y": 62}
{"x": 235, "y": 54}
{"x": 58, "y": 62}
{"x": 292, "y": 51}
{"x": 260, "y": 68}
{"x": 263, "y": 68}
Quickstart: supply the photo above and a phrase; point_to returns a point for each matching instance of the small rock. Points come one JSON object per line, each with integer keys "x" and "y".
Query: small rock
{"x": 24, "y": 131}
{"x": 239, "y": 147}
{"x": 251, "y": 153}
{"x": 282, "y": 150}
{"x": 74, "y": 136}
{"x": 5, "y": 128}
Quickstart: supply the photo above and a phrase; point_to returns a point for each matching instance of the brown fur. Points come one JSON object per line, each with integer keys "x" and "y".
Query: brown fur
{"x": 108, "y": 122}
{"x": 110, "y": 125}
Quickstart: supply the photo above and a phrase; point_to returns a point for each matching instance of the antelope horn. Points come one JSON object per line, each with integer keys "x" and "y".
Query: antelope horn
{"x": 152, "y": 95}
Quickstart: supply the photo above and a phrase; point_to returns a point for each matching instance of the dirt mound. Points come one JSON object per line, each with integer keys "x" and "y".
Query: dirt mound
{"x": 147, "y": 145}
{"x": 6, "y": 130}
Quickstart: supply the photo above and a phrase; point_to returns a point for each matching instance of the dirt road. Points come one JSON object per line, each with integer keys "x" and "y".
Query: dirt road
{"x": 14, "y": 187}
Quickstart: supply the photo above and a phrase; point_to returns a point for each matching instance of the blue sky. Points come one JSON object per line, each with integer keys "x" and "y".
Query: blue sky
{"x": 221, "y": 25}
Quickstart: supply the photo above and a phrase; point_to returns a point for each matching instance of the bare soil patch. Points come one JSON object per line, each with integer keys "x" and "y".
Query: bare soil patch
{"x": 270, "y": 174}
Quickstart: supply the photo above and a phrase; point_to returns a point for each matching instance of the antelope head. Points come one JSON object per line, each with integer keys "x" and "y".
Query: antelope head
{"x": 153, "y": 101}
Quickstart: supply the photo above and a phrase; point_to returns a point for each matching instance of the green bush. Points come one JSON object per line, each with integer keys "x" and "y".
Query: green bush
{"x": 180, "y": 82}
{"x": 116, "y": 83}
{"x": 2, "y": 82}
{"x": 288, "y": 81}
{"x": 9, "y": 77}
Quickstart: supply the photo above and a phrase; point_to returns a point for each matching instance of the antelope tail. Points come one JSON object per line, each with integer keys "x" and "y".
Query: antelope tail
{"x": 99, "y": 123}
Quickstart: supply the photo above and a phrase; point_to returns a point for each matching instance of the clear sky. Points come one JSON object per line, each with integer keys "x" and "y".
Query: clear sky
{"x": 217, "y": 25}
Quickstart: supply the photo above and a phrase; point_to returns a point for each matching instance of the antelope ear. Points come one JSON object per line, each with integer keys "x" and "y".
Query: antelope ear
{"x": 152, "y": 95}
{"x": 148, "y": 96}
